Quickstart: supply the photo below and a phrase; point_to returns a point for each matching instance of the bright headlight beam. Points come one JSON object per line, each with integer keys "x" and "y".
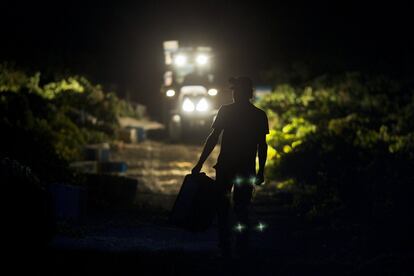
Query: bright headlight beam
{"x": 180, "y": 60}
{"x": 212, "y": 92}
{"x": 170, "y": 93}
{"x": 202, "y": 59}
{"x": 202, "y": 105}
{"x": 188, "y": 105}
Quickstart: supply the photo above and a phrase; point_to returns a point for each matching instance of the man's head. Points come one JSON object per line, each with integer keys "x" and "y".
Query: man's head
{"x": 242, "y": 88}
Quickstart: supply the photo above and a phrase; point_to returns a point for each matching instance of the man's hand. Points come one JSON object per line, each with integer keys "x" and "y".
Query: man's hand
{"x": 208, "y": 148}
{"x": 197, "y": 168}
{"x": 260, "y": 178}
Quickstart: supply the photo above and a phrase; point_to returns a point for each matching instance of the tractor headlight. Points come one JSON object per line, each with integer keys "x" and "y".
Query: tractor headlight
{"x": 170, "y": 93}
{"x": 202, "y": 59}
{"x": 202, "y": 105}
{"x": 212, "y": 92}
{"x": 188, "y": 105}
{"x": 180, "y": 60}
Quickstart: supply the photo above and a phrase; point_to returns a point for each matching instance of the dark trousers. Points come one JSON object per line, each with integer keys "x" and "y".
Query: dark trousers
{"x": 242, "y": 195}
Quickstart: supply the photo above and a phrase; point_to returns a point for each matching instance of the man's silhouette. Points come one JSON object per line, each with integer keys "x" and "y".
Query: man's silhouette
{"x": 244, "y": 128}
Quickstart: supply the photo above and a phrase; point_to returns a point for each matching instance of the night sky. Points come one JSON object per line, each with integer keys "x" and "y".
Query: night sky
{"x": 119, "y": 43}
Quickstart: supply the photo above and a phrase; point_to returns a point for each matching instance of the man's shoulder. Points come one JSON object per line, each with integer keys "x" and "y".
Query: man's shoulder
{"x": 259, "y": 111}
{"x": 227, "y": 106}
{"x": 226, "y": 109}
{"x": 253, "y": 110}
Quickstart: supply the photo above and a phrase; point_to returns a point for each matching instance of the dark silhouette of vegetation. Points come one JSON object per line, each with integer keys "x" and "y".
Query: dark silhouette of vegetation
{"x": 344, "y": 144}
{"x": 45, "y": 125}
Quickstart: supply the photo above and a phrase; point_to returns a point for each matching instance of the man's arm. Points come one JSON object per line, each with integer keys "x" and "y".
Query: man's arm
{"x": 262, "y": 152}
{"x": 211, "y": 142}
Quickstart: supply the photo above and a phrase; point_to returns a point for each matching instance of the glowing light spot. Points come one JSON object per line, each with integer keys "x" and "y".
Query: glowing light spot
{"x": 202, "y": 59}
{"x": 176, "y": 118}
{"x": 239, "y": 227}
{"x": 202, "y": 105}
{"x": 212, "y": 92}
{"x": 238, "y": 180}
{"x": 252, "y": 180}
{"x": 261, "y": 227}
{"x": 170, "y": 93}
{"x": 188, "y": 105}
{"x": 180, "y": 60}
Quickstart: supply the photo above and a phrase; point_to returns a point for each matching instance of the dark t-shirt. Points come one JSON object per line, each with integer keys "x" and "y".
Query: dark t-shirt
{"x": 243, "y": 126}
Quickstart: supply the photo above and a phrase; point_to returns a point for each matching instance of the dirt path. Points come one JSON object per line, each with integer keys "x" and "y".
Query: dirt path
{"x": 114, "y": 242}
{"x": 160, "y": 168}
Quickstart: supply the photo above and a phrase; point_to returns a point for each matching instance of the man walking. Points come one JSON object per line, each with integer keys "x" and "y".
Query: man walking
{"x": 244, "y": 128}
